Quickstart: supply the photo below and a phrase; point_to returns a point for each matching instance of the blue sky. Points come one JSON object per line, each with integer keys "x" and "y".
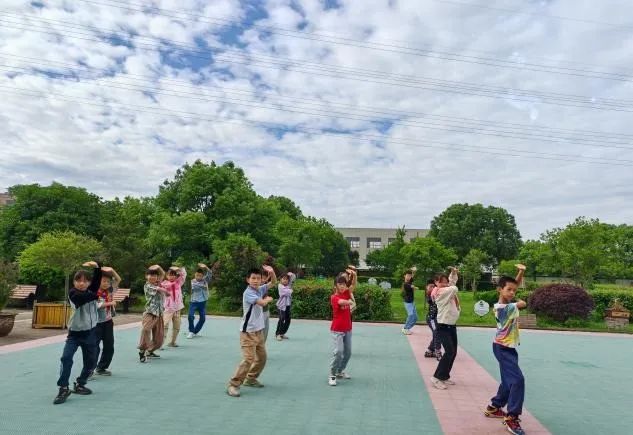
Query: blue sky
{"x": 404, "y": 107}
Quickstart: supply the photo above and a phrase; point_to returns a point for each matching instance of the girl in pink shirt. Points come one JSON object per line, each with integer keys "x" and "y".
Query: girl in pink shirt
{"x": 173, "y": 301}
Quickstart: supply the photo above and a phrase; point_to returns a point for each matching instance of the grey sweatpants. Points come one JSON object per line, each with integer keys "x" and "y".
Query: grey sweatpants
{"x": 341, "y": 351}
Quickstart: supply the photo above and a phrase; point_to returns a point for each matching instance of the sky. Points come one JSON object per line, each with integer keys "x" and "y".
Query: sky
{"x": 367, "y": 113}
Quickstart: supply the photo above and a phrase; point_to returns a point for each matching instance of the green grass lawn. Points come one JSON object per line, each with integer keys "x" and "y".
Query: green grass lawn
{"x": 466, "y": 318}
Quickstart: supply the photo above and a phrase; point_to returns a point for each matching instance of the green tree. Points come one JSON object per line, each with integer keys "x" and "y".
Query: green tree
{"x": 387, "y": 259}
{"x": 286, "y": 206}
{"x": 236, "y": 255}
{"x": 125, "y": 227}
{"x": 537, "y": 257}
{"x": 463, "y": 227}
{"x": 300, "y": 243}
{"x": 8, "y": 280}
{"x": 180, "y": 238}
{"x": 40, "y": 209}
{"x": 428, "y": 255}
{"x": 507, "y": 268}
{"x": 581, "y": 250}
{"x": 64, "y": 251}
{"x": 472, "y": 266}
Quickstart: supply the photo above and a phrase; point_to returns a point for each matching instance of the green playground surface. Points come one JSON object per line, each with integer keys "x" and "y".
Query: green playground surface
{"x": 575, "y": 384}
{"x": 184, "y": 391}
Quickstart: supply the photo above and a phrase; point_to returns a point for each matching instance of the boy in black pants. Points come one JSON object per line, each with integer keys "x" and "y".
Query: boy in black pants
{"x": 81, "y": 332}
{"x": 448, "y": 309}
{"x": 105, "y": 326}
{"x": 434, "y": 349}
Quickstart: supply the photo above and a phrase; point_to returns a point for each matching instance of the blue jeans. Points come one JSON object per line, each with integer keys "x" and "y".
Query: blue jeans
{"x": 88, "y": 345}
{"x": 412, "y": 315}
{"x": 512, "y": 389}
{"x": 200, "y": 307}
{"x": 341, "y": 351}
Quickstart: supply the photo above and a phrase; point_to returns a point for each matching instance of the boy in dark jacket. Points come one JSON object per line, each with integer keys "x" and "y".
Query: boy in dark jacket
{"x": 81, "y": 331}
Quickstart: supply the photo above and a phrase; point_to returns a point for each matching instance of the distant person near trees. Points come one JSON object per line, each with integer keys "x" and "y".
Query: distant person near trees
{"x": 283, "y": 304}
{"x": 409, "y": 302}
{"x": 199, "y": 296}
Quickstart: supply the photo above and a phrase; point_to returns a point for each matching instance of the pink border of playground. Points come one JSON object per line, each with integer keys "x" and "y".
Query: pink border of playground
{"x": 459, "y": 409}
{"x": 9, "y": 348}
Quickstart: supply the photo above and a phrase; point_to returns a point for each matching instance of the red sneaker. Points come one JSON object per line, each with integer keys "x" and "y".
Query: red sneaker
{"x": 512, "y": 424}
{"x": 493, "y": 412}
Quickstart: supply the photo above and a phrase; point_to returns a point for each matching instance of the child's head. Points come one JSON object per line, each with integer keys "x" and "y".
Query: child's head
{"x": 507, "y": 288}
{"x": 440, "y": 280}
{"x": 429, "y": 284}
{"x": 285, "y": 279}
{"x": 254, "y": 277}
{"x": 152, "y": 276}
{"x": 81, "y": 280}
{"x": 172, "y": 275}
{"x": 106, "y": 280}
{"x": 408, "y": 276}
{"x": 199, "y": 274}
{"x": 340, "y": 282}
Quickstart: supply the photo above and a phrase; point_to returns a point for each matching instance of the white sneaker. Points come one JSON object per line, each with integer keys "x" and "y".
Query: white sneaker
{"x": 332, "y": 381}
{"x": 438, "y": 384}
{"x": 406, "y": 331}
{"x": 343, "y": 375}
{"x": 190, "y": 335}
{"x": 449, "y": 382}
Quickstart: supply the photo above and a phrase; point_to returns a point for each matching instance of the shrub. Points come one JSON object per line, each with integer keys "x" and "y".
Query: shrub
{"x": 8, "y": 276}
{"x": 311, "y": 300}
{"x": 561, "y": 302}
{"x": 604, "y": 298}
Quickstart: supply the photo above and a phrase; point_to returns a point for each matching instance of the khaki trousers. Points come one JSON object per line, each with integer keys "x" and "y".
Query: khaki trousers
{"x": 253, "y": 357}
{"x": 152, "y": 333}
{"x": 172, "y": 317}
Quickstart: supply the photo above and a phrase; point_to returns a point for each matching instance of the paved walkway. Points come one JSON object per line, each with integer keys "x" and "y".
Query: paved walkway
{"x": 576, "y": 383}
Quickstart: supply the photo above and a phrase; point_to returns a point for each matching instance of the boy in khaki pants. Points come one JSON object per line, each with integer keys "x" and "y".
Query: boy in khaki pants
{"x": 152, "y": 329}
{"x": 252, "y": 331}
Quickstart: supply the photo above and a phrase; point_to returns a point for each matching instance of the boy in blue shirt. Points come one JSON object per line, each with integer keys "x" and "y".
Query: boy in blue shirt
{"x": 199, "y": 296}
{"x": 252, "y": 331}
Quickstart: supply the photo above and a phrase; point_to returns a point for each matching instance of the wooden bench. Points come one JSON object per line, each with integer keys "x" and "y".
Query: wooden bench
{"x": 22, "y": 292}
{"x": 122, "y": 296}
{"x": 527, "y": 321}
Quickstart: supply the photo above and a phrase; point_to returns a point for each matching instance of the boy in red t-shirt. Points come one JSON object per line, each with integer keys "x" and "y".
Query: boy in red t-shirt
{"x": 341, "y": 328}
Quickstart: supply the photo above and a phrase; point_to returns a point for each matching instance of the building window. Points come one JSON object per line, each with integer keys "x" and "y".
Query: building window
{"x": 374, "y": 242}
{"x": 354, "y": 242}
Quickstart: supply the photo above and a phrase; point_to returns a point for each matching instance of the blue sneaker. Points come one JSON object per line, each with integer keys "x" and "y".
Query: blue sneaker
{"x": 512, "y": 424}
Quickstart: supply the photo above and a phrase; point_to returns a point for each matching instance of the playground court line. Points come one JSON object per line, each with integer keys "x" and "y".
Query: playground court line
{"x": 459, "y": 409}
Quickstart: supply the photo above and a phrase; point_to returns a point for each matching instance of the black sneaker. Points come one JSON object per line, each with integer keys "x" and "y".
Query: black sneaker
{"x": 152, "y": 355}
{"x": 429, "y": 354}
{"x": 142, "y": 357}
{"x": 81, "y": 390}
{"x": 63, "y": 394}
{"x": 103, "y": 372}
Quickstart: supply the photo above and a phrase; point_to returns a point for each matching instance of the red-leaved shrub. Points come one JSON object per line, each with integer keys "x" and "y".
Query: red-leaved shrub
{"x": 561, "y": 302}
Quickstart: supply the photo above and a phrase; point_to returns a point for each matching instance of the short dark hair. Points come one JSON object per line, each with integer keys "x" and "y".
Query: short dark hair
{"x": 253, "y": 270}
{"x": 439, "y": 276}
{"x": 152, "y": 272}
{"x": 82, "y": 274}
{"x": 173, "y": 272}
{"x": 107, "y": 274}
{"x": 429, "y": 281}
{"x": 506, "y": 279}
{"x": 200, "y": 270}
{"x": 341, "y": 278}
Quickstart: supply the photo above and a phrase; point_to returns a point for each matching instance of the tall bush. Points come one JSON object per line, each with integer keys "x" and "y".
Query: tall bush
{"x": 8, "y": 279}
{"x": 561, "y": 302}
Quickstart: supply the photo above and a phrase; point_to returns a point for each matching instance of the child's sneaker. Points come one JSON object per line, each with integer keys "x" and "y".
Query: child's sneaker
{"x": 449, "y": 382}
{"x": 62, "y": 395}
{"x": 343, "y": 375}
{"x": 81, "y": 390}
{"x": 512, "y": 424}
{"x": 285, "y": 337}
{"x": 252, "y": 383}
{"x": 406, "y": 331}
{"x": 103, "y": 372}
{"x": 190, "y": 335}
{"x": 332, "y": 381}
{"x": 493, "y": 412}
{"x": 152, "y": 355}
{"x": 438, "y": 384}
{"x": 172, "y": 345}
{"x": 142, "y": 357}
{"x": 429, "y": 354}
{"x": 438, "y": 355}
{"x": 279, "y": 337}
{"x": 233, "y": 391}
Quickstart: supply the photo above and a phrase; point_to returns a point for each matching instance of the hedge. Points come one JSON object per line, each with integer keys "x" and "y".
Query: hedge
{"x": 311, "y": 300}
{"x": 604, "y": 298}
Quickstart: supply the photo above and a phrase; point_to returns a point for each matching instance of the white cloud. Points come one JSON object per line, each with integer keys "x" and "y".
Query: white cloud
{"x": 406, "y": 179}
